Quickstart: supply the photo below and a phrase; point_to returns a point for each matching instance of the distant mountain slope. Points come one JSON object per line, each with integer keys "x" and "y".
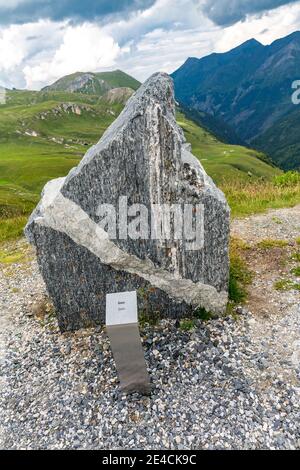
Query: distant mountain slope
{"x": 249, "y": 88}
{"x": 282, "y": 140}
{"x": 217, "y": 127}
{"x": 93, "y": 83}
{"x": 224, "y": 162}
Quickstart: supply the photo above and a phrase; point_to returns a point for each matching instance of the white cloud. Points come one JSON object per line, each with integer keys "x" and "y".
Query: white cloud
{"x": 163, "y": 36}
{"x": 226, "y": 12}
{"x": 28, "y": 43}
{"x": 84, "y": 48}
{"x": 163, "y": 14}
{"x": 11, "y": 56}
{"x": 165, "y": 51}
{"x": 266, "y": 28}
{"x": 5, "y": 5}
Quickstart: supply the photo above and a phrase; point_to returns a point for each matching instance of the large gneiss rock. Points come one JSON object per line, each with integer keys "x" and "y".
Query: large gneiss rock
{"x": 142, "y": 158}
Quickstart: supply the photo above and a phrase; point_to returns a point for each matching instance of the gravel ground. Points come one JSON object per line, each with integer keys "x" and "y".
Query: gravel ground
{"x": 278, "y": 224}
{"x": 227, "y": 384}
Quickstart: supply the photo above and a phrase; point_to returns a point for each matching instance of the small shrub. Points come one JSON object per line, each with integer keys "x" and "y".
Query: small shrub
{"x": 298, "y": 241}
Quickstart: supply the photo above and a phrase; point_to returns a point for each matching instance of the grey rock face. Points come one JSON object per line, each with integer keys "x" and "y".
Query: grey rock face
{"x": 118, "y": 95}
{"x": 143, "y": 156}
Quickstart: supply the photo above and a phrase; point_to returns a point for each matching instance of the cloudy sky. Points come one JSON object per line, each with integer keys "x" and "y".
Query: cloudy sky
{"x": 42, "y": 40}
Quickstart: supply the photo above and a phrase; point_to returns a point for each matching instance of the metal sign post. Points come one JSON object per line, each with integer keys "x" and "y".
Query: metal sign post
{"x": 123, "y": 331}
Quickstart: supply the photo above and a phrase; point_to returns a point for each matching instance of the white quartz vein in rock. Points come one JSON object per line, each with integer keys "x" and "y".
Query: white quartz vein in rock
{"x": 62, "y": 214}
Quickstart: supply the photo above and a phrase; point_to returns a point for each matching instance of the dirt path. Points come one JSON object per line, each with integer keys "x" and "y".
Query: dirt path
{"x": 231, "y": 384}
{"x": 275, "y": 325}
{"x": 278, "y": 224}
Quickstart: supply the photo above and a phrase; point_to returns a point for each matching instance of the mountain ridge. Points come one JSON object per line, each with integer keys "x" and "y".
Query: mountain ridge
{"x": 96, "y": 83}
{"x": 248, "y": 88}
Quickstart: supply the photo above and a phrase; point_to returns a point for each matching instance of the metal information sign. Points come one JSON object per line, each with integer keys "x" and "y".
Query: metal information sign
{"x": 123, "y": 331}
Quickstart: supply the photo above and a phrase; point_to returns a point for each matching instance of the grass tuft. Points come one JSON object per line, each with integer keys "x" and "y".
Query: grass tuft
{"x": 277, "y": 220}
{"x": 296, "y": 257}
{"x": 187, "y": 325}
{"x": 286, "y": 284}
{"x": 202, "y": 314}
{"x": 147, "y": 319}
{"x": 240, "y": 275}
{"x": 14, "y": 255}
{"x": 269, "y": 243}
{"x": 246, "y": 198}
{"x": 12, "y": 229}
{"x": 296, "y": 271}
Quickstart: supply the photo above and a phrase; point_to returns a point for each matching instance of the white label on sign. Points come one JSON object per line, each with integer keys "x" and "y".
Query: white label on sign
{"x": 121, "y": 308}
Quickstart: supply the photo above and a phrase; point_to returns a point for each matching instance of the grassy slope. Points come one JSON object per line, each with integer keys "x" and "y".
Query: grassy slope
{"x": 118, "y": 79}
{"x": 27, "y": 163}
{"x": 222, "y": 161}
